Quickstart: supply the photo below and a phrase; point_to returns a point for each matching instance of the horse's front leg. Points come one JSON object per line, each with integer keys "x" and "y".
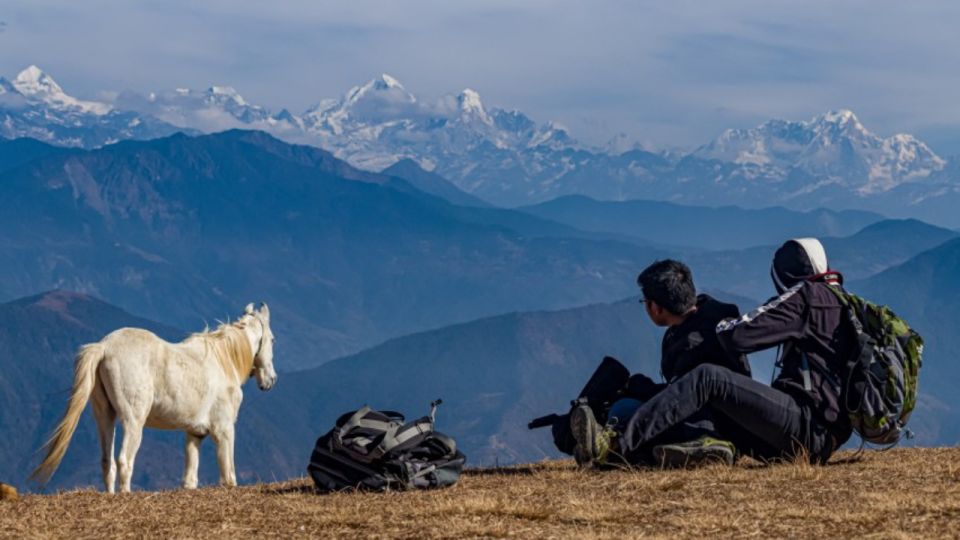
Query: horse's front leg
{"x": 191, "y": 461}
{"x": 224, "y": 439}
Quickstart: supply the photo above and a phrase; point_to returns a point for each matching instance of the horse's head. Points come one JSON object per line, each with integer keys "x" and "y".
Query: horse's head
{"x": 263, "y": 339}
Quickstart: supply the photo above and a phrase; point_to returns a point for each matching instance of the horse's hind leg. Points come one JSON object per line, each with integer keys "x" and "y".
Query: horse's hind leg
{"x": 191, "y": 461}
{"x": 132, "y": 435}
{"x": 106, "y": 417}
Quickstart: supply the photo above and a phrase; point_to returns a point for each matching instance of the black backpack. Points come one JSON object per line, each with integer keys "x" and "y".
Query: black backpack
{"x": 379, "y": 451}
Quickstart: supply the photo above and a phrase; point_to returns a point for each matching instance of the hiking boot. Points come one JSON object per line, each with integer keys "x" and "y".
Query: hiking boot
{"x": 694, "y": 453}
{"x": 594, "y": 442}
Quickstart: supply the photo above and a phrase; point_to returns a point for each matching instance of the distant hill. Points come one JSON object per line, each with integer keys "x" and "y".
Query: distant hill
{"x": 723, "y": 228}
{"x": 185, "y": 229}
{"x": 877, "y": 247}
{"x": 38, "y": 337}
{"x": 925, "y": 290}
{"x": 430, "y": 182}
{"x": 16, "y": 152}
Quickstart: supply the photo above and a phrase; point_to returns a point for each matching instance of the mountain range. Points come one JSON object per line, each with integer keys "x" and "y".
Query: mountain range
{"x": 185, "y": 229}
{"x": 711, "y": 228}
{"x": 34, "y": 105}
{"x": 504, "y": 157}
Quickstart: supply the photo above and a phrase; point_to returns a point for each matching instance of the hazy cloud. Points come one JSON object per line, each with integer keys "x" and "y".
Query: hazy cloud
{"x": 667, "y": 73}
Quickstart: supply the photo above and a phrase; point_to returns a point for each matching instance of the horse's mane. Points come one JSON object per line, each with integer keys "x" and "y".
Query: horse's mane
{"x": 228, "y": 344}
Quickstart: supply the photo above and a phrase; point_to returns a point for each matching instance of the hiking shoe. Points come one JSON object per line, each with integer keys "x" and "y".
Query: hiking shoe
{"x": 594, "y": 442}
{"x": 694, "y": 453}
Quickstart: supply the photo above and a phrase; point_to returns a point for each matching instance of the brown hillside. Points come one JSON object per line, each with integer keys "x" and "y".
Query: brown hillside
{"x": 902, "y": 493}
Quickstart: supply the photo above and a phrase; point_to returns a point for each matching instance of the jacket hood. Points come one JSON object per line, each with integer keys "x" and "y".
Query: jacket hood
{"x": 798, "y": 260}
{"x": 712, "y": 308}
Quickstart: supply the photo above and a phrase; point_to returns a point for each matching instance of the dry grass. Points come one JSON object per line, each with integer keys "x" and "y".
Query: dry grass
{"x": 902, "y": 493}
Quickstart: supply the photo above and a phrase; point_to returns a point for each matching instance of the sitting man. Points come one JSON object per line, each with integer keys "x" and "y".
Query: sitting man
{"x": 670, "y": 300}
{"x": 799, "y": 415}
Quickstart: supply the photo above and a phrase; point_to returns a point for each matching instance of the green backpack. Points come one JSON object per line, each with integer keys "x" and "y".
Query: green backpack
{"x": 880, "y": 386}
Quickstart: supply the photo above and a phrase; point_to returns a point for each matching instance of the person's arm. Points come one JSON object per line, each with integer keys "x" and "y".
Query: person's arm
{"x": 782, "y": 319}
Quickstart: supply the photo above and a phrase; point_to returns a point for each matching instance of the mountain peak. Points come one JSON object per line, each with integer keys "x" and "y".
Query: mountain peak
{"x": 840, "y": 116}
{"x": 386, "y": 81}
{"x": 32, "y": 81}
{"x": 31, "y": 72}
{"x": 35, "y": 84}
{"x": 469, "y": 99}
{"x": 228, "y": 92}
{"x": 384, "y": 85}
{"x": 841, "y": 120}
{"x": 471, "y": 107}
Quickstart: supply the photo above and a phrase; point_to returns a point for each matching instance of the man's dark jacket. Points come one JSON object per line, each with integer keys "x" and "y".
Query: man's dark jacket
{"x": 691, "y": 343}
{"x": 808, "y": 322}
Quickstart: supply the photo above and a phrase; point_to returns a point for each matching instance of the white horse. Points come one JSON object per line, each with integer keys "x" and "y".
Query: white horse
{"x": 194, "y": 386}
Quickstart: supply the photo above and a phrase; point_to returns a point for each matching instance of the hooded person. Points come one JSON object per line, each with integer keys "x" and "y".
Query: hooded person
{"x": 798, "y": 415}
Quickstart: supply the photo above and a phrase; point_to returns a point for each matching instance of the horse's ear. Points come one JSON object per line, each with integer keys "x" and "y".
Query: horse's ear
{"x": 249, "y": 309}
{"x": 264, "y": 310}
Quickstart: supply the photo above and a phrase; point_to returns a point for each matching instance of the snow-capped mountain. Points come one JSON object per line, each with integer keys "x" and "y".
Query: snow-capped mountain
{"x": 380, "y": 123}
{"x": 37, "y": 86}
{"x": 215, "y": 109}
{"x": 505, "y": 157}
{"x": 34, "y": 105}
{"x": 832, "y": 147}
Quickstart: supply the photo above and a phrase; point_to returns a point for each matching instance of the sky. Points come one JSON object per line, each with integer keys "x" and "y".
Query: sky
{"x": 667, "y": 74}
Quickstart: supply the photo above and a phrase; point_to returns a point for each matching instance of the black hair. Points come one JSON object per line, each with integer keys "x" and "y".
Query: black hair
{"x": 669, "y": 283}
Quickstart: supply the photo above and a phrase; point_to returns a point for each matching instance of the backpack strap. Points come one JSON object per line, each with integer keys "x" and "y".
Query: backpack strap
{"x": 360, "y": 419}
{"x": 364, "y": 429}
{"x": 864, "y": 351}
{"x": 410, "y": 434}
{"x": 405, "y": 436}
{"x": 805, "y": 371}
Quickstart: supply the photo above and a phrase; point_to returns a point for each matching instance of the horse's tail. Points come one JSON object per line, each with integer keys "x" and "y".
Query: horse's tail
{"x": 84, "y": 379}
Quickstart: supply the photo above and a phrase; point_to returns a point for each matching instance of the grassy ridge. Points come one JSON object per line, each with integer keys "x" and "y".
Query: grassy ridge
{"x": 901, "y": 493}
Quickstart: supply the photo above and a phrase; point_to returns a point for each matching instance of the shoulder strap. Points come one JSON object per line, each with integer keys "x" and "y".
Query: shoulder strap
{"x": 844, "y": 299}
{"x": 408, "y": 435}
{"x": 364, "y": 419}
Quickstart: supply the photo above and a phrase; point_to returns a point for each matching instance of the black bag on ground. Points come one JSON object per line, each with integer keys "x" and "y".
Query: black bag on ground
{"x": 379, "y": 451}
{"x": 608, "y": 383}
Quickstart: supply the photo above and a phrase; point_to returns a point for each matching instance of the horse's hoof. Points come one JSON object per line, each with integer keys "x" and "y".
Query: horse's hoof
{"x": 7, "y": 493}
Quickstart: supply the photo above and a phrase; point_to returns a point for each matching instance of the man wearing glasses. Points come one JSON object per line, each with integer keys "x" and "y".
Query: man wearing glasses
{"x": 670, "y": 300}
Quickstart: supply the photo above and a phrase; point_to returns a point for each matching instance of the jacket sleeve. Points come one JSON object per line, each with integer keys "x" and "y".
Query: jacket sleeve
{"x": 779, "y": 320}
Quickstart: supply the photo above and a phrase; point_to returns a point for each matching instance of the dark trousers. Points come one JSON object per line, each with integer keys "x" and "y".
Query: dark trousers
{"x": 761, "y": 421}
{"x": 698, "y": 425}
